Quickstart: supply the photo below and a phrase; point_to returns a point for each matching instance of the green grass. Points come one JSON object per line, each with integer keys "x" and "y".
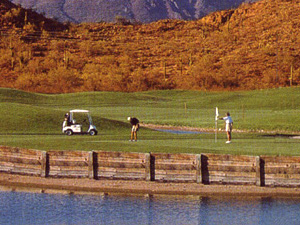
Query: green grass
{"x": 34, "y": 120}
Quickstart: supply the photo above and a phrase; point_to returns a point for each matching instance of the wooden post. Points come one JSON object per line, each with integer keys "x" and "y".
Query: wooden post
{"x": 152, "y": 167}
{"x": 45, "y": 166}
{"x": 198, "y": 169}
{"x": 147, "y": 167}
{"x": 93, "y": 165}
{"x": 260, "y": 171}
{"x": 257, "y": 168}
{"x": 204, "y": 169}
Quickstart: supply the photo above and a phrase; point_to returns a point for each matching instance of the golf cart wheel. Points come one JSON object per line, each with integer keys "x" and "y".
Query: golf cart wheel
{"x": 69, "y": 132}
{"x": 93, "y": 132}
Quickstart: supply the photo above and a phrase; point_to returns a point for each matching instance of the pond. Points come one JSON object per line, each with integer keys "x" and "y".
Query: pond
{"x": 36, "y": 208}
{"x": 174, "y": 131}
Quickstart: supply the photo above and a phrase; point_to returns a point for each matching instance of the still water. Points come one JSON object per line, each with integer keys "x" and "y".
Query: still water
{"x": 32, "y": 208}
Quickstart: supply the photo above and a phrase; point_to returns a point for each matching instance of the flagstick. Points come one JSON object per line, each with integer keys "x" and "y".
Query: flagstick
{"x": 216, "y": 131}
{"x": 216, "y": 124}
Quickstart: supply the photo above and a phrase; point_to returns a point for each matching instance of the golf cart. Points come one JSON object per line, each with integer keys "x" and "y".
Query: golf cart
{"x": 82, "y": 125}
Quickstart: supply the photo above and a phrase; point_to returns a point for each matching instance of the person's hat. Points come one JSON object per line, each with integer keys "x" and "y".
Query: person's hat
{"x": 128, "y": 118}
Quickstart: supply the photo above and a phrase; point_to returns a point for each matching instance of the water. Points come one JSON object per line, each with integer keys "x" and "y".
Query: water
{"x": 180, "y": 131}
{"x": 33, "y": 208}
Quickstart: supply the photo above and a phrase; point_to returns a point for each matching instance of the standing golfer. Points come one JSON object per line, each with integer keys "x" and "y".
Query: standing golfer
{"x": 135, "y": 127}
{"x": 228, "y": 126}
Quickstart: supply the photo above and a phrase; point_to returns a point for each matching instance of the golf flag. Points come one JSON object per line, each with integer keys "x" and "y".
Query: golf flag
{"x": 216, "y": 123}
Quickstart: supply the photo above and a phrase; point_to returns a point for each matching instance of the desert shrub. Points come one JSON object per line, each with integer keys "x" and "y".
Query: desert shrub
{"x": 92, "y": 78}
{"x": 28, "y": 81}
{"x": 63, "y": 80}
{"x": 5, "y": 59}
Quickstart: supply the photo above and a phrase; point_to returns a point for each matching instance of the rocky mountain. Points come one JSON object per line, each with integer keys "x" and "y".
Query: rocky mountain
{"x": 137, "y": 10}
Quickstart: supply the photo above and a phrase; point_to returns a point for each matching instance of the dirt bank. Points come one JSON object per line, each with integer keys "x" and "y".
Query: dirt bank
{"x": 10, "y": 182}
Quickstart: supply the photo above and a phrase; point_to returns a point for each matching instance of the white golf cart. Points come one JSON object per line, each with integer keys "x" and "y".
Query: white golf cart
{"x": 82, "y": 125}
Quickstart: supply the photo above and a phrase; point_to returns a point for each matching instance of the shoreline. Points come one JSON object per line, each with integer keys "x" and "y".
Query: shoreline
{"x": 22, "y": 183}
{"x": 289, "y": 134}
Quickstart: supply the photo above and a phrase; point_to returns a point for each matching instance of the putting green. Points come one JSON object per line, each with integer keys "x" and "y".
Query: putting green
{"x": 34, "y": 121}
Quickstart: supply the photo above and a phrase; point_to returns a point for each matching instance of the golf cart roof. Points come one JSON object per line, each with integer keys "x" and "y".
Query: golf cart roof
{"x": 79, "y": 110}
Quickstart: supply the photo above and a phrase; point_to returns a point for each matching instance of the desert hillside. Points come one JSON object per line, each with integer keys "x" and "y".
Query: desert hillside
{"x": 252, "y": 47}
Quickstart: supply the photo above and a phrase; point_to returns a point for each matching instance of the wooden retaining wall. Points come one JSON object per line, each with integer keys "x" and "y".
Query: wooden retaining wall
{"x": 160, "y": 167}
{"x": 120, "y": 165}
{"x": 280, "y": 170}
{"x": 229, "y": 169}
{"x": 20, "y": 161}
{"x": 176, "y": 167}
{"x": 67, "y": 164}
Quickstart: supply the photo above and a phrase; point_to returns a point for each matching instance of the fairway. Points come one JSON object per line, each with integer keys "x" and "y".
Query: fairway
{"x": 156, "y": 141}
{"x": 34, "y": 121}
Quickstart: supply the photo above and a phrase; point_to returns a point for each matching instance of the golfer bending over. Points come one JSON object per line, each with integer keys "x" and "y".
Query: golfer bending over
{"x": 228, "y": 126}
{"x": 135, "y": 127}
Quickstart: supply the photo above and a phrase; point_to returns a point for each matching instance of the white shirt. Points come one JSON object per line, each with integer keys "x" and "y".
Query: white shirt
{"x": 227, "y": 119}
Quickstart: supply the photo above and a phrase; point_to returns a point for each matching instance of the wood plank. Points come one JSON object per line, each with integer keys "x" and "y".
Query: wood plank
{"x": 231, "y": 174}
{"x": 281, "y": 159}
{"x": 131, "y": 176}
{"x": 281, "y": 170}
{"x": 166, "y": 156}
{"x": 176, "y": 178}
{"x": 66, "y": 158}
{"x": 138, "y": 161}
{"x": 68, "y": 168}
{"x": 227, "y": 168}
{"x": 175, "y": 162}
{"x": 175, "y": 167}
{"x": 68, "y": 163}
{"x": 4, "y": 168}
{"x": 121, "y": 155}
{"x": 232, "y": 180}
{"x": 23, "y": 160}
{"x": 19, "y": 150}
{"x": 281, "y": 176}
{"x": 122, "y": 173}
{"x": 121, "y": 170}
{"x": 20, "y": 170}
{"x": 238, "y": 158}
{"x": 231, "y": 163}
{"x": 82, "y": 156}
{"x": 121, "y": 165}
{"x": 294, "y": 165}
{"x": 10, "y": 164}
{"x": 68, "y": 153}
{"x": 21, "y": 155}
{"x": 287, "y": 183}
{"x": 172, "y": 172}
{"x": 68, "y": 174}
